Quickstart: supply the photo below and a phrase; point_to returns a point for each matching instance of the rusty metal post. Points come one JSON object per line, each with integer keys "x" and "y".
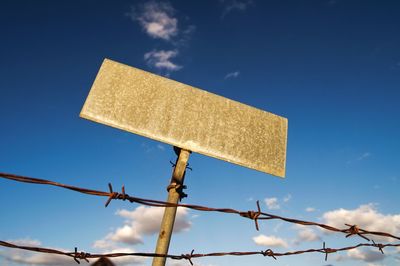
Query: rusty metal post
{"x": 174, "y": 194}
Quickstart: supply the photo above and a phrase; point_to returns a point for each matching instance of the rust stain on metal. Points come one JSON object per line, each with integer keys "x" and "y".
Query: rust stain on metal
{"x": 181, "y": 115}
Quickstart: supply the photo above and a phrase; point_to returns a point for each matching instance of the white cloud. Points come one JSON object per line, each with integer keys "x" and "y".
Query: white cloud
{"x": 310, "y": 209}
{"x": 123, "y": 260}
{"x": 366, "y": 217}
{"x": 104, "y": 244}
{"x": 308, "y": 235}
{"x": 231, "y": 5}
{"x": 126, "y": 234}
{"x": 140, "y": 222}
{"x": 270, "y": 241}
{"x": 34, "y": 258}
{"x": 305, "y": 234}
{"x": 127, "y": 260}
{"x": 272, "y": 203}
{"x": 161, "y": 147}
{"x": 365, "y": 255}
{"x": 157, "y": 19}
{"x": 232, "y": 75}
{"x": 161, "y": 59}
{"x": 24, "y": 257}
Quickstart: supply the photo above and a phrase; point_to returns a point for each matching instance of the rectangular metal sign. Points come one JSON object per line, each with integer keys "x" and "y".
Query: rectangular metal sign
{"x": 178, "y": 114}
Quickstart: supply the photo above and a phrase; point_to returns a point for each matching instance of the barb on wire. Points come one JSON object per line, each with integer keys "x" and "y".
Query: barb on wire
{"x": 188, "y": 257}
{"x": 355, "y": 230}
{"x": 253, "y": 215}
{"x": 268, "y": 253}
{"x": 327, "y": 251}
{"x": 116, "y": 195}
{"x": 379, "y": 246}
{"x": 78, "y": 256}
{"x": 81, "y": 256}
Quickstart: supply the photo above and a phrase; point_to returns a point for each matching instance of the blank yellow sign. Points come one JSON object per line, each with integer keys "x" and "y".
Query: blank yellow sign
{"x": 178, "y": 114}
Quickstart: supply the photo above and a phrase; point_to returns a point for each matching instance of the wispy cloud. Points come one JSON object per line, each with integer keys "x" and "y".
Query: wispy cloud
{"x": 270, "y": 241}
{"x": 232, "y": 75}
{"x": 287, "y": 198}
{"x": 161, "y": 147}
{"x": 272, "y": 203}
{"x": 360, "y": 157}
{"x": 232, "y": 5}
{"x": 363, "y": 156}
{"x": 162, "y": 60}
{"x": 310, "y": 209}
{"x": 184, "y": 36}
{"x": 157, "y": 19}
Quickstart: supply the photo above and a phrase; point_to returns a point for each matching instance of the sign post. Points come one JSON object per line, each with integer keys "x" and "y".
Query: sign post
{"x": 189, "y": 118}
{"x": 174, "y": 195}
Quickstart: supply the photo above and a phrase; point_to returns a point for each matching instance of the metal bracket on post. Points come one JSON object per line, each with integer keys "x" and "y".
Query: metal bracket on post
{"x": 174, "y": 195}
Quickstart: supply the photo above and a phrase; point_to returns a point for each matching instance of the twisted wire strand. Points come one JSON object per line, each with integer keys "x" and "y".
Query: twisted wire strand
{"x": 78, "y": 256}
{"x": 253, "y": 215}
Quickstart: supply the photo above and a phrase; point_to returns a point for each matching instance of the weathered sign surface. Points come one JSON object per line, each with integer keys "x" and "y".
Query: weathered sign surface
{"x": 181, "y": 115}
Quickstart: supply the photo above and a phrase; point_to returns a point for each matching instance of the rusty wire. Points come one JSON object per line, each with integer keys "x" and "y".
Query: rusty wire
{"x": 351, "y": 230}
{"x": 78, "y": 256}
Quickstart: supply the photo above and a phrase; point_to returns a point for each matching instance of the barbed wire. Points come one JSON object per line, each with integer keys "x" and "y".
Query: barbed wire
{"x": 78, "y": 256}
{"x": 351, "y": 230}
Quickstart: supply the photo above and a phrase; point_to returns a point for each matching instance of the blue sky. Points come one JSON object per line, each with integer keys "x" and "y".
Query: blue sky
{"x": 332, "y": 67}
